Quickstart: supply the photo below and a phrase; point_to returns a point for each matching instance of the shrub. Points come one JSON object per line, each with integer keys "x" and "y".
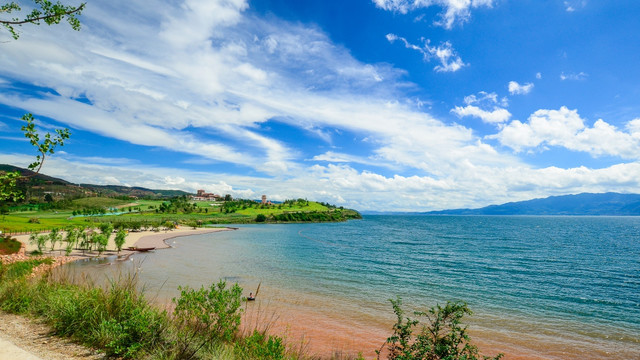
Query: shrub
{"x": 169, "y": 225}
{"x": 9, "y": 245}
{"x": 206, "y": 315}
{"x": 261, "y": 218}
{"x": 442, "y": 337}
{"x": 34, "y": 220}
{"x": 261, "y": 346}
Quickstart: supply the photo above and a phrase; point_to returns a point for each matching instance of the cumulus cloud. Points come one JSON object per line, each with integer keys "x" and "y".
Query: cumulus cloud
{"x": 484, "y": 106}
{"x": 205, "y": 80}
{"x": 473, "y": 185}
{"x": 517, "y": 89}
{"x": 444, "y": 53}
{"x": 565, "y": 128}
{"x": 454, "y": 11}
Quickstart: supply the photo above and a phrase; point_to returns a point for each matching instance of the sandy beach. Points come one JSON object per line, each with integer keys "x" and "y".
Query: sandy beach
{"x": 140, "y": 239}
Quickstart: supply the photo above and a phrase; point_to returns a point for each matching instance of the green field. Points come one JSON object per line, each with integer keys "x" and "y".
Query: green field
{"x": 99, "y": 202}
{"x": 151, "y": 213}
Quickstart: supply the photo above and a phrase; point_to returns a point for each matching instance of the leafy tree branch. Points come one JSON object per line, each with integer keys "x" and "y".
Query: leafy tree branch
{"x": 47, "y": 146}
{"x": 45, "y": 11}
{"x": 8, "y": 188}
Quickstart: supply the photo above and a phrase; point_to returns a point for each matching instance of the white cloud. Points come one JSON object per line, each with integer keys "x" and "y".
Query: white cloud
{"x": 573, "y": 5}
{"x": 517, "y": 89}
{"x": 335, "y": 157}
{"x": 496, "y": 116}
{"x": 449, "y": 60}
{"x": 539, "y": 75}
{"x": 215, "y": 77}
{"x": 565, "y": 128}
{"x": 454, "y": 11}
{"x": 470, "y": 186}
{"x": 573, "y": 76}
{"x": 486, "y": 107}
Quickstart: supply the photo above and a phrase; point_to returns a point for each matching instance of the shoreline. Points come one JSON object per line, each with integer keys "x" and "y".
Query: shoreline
{"x": 329, "y": 335}
{"x": 22, "y": 338}
{"x": 141, "y": 239}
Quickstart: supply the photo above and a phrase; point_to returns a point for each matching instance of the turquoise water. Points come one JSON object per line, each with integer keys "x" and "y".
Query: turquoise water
{"x": 540, "y": 287}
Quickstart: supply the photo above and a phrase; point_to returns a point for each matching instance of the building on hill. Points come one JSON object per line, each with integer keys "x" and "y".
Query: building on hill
{"x": 205, "y": 196}
{"x": 265, "y": 201}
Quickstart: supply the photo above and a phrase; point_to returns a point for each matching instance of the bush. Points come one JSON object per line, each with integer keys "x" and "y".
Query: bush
{"x": 206, "y": 315}
{"x": 443, "y": 337}
{"x": 34, "y": 220}
{"x": 261, "y": 346}
{"x": 261, "y": 218}
{"x": 117, "y": 319}
{"x": 9, "y": 245}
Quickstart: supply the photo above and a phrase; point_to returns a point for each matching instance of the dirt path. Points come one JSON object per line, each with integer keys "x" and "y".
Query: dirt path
{"x": 24, "y": 339}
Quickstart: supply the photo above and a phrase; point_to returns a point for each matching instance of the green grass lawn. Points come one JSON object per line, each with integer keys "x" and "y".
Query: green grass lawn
{"x": 99, "y": 202}
{"x": 47, "y": 220}
{"x": 208, "y": 212}
{"x": 277, "y": 209}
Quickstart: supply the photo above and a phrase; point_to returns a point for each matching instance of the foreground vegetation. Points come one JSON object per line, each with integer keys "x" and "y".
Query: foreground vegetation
{"x": 204, "y": 324}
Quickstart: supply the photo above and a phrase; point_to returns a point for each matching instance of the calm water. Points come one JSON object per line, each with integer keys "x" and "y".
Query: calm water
{"x": 540, "y": 287}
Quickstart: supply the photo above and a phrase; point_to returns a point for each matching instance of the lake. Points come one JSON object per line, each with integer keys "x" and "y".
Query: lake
{"x": 539, "y": 287}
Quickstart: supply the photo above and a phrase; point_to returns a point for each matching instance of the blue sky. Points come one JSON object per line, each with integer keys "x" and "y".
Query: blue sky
{"x": 371, "y": 104}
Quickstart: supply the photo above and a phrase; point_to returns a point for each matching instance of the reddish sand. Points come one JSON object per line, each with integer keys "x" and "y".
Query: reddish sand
{"x": 322, "y": 335}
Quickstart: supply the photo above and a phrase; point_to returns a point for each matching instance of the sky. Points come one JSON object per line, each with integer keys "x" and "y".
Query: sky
{"x": 377, "y": 105}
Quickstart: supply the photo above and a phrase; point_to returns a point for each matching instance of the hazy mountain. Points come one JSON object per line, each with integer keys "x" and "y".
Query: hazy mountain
{"x": 580, "y": 204}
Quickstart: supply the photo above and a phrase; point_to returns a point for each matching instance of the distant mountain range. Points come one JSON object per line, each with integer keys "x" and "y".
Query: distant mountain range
{"x": 612, "y": 204}
{"x": 62, "y": 186}
{"x": 580, "y": 204}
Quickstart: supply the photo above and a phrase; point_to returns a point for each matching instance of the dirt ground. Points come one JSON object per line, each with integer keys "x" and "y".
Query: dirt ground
{"x": 25, "y": 339}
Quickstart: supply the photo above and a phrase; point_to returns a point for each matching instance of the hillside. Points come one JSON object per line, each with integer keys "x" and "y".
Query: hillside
{"x": 580, "y": 204}
{"x": 37, "y": 184}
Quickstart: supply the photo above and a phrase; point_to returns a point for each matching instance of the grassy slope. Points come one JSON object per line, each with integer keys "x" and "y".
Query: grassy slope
{"x": 274, "y": 209}
{"x": 99, "y": 202}
{"x": 19, "y": 221}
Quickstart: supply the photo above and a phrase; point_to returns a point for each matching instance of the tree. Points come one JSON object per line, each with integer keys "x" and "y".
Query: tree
{"x": 73, "y": 234}
{"x": 120, "y": 239}
{"x": 106, "y": 229}
{"x": 45, "y": 11}
{"x": 38, "y": 240}
{"x": 54, "y": 238}
{"x": 49, "y": 13}
{"x": 443, "y": 337}
{"x": 102, "y": 241}
{"x": 85, "y": 241}
{"x": 4, "y": 210}
{"x": 8, "y": 188}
